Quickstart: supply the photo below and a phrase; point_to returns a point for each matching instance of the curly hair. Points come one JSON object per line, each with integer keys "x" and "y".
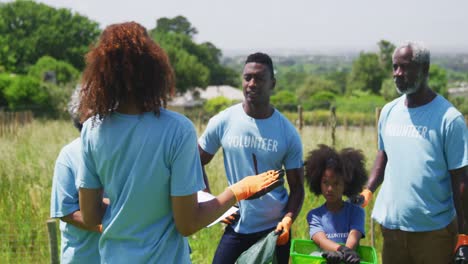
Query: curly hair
{"x": 73, "y": 107}
{"x": 126, "y": 65}
{"x": 349, "y": 163}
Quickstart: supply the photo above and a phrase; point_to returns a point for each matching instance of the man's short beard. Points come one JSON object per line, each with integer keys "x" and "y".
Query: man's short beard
{"x": 415, "y": 87}
{"x": 409, "y": 90}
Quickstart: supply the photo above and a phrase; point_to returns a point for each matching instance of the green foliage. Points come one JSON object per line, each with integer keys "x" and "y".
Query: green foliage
{"x": 5, "y": 81}
{"x": 178, "y": 24}
{"x": 454, "y": 76}
{"x": 59, "y": 96}
{"x": 461, "y": 103}
{"x": 314, "y": 84}
{"x": 366, "y": 74}
{"x": 217, "y": 104}
{"x": 319, "y": 100}
{"x": 27, "y": 163}
{"x": 338, "y": 77}
{"x": 388, "y": 90}
{"x": 175, "y": 36}
{"x": 284, "y": 100}
{"x": 288, "y": 79}
{"x": 25, "y": 92}
{"x": 64, "y": 72}
{"x": 438, "y": 80}
{"x": 30, "y": 30}
{"x": 386, "y": 52}
{"x": 20, "y": 92}
{"x": 189, "y": 72}
{"x": 359, "y": 102}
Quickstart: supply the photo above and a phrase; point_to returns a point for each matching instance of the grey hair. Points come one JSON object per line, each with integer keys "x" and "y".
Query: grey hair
{"x": 73, "y": 107}
{"x": 421, "y": 54}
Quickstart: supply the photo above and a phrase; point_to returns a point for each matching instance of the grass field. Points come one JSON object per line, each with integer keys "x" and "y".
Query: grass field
{"x": 26, "y": 167}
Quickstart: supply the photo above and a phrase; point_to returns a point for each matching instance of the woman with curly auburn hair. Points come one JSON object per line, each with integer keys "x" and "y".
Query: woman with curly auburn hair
{"x": 334, "y": 174}
{"x": 144, "y": 157}
{"x": 127, "y": 71}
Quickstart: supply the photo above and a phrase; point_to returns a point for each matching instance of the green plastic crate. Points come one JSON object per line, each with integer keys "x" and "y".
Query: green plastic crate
{"x": 302, "y": 249}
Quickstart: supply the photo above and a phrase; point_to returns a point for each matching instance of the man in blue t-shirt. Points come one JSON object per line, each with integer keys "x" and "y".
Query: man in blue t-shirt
{"x": 422, "y": 166}
{"x": 255, "y": 137}
{"x": 79, "y": 243}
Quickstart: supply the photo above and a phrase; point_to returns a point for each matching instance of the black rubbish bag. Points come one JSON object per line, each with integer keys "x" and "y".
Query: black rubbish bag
{"x": 461, "y": 256}
{"x": 262, "y": 252}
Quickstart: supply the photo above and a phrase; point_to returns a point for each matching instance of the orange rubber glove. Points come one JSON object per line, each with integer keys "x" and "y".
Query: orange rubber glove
{"x": 462, "y": 241}
{"x": 285, "y": 226}
{"x": 367, "y": 194}
{"x": 251, "y": 185}
{"x": 100, "y": 228}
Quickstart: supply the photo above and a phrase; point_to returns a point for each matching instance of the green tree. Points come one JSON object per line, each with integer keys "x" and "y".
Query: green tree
{"x": 284, "y": 100}
{"x": 289, "y": 79}
{"x": 30, "y": 30}
{"x": 386, "y": 52}
{"x": 189, "y": 72}
{"x": 64, "y": 72}
{"x": 5, "y": 81}
{"x": 176, "y": 35}
{"x": 25, "y": 92}
{"x": 438, "y": 79}
{"x": 319, "y": 100}
{"x": 314, "y": 84}
{"x": 215, "y": 105}
{"x": 366, "y": 74}
{"x": 388, "y": 90}
{"x": 338, "y": 77}
{"x": 178, "y": 24}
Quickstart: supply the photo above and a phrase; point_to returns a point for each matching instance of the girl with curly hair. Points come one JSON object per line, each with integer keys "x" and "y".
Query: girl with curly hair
{"x": 336, "y": 226}
{"x": 144, "y": 157}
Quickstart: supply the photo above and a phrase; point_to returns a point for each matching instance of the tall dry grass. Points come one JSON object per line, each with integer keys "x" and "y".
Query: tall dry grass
{"x": 27, "y": 159}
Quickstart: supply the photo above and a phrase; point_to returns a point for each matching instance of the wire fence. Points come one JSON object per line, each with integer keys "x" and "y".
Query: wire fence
{"x": 10, "y": 122}
{"x": 25, "y": 247}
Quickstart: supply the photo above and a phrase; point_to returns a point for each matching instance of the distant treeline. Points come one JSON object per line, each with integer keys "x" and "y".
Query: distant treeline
{"x": 42, "y": 52}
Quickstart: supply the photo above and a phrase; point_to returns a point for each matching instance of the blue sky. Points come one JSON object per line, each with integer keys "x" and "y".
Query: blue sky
{"x": 307, "y": 25}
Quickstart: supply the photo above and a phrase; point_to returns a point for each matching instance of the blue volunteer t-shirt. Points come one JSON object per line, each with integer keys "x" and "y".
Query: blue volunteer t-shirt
{"x": 275, "y": 144}
{"x": 336, "y": 225}
{"x": 141, "y": 161}
{"x": 422, "y": 144}
{"x": 77, "y": 245}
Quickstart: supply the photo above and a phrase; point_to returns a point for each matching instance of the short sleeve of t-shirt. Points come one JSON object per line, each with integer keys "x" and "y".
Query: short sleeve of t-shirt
{"x": 87, "y": 174}
{"x": 293, "y": 159}
{"x": 187, "y": 174}
{"x": 315, "y": 223}
{"x": 64, "y": 198}
{"x": 210, "y": 141}
{"x": 456, "y": 145}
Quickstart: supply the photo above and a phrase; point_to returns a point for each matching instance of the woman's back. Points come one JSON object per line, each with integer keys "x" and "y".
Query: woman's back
{"x": 140, "y": 161}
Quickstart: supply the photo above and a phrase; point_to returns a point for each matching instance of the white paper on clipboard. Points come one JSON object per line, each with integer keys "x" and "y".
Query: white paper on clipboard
{"x": 204, "y": 196}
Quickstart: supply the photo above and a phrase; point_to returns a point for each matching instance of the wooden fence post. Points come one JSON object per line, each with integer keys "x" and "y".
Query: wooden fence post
{"x": 52, "y": 231}
{"x": 299, "y": 113}
{"x": 333, "y": 124}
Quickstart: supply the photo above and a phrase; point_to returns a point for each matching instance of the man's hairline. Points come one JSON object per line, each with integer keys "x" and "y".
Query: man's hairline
{"x": 265, "y": 65}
